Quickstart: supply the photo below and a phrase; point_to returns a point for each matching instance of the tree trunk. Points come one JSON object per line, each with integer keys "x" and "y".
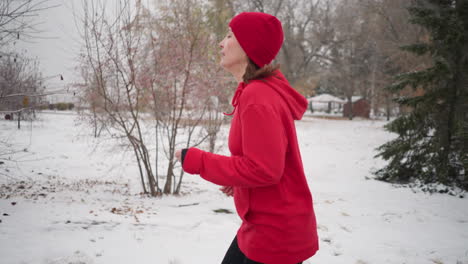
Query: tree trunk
{"x": 156, "y": 158}
{"x": 139, "y": 168}
{"x": 350, "y": 112}
{"x": 169, "y": 176}
{"x": 19, "y": 119}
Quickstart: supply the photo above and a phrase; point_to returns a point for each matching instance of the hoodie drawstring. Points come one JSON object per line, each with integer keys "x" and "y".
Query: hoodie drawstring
{"x": 235, "y": 99}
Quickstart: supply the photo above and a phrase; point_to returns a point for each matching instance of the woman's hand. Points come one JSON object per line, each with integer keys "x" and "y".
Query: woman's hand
{"x": 178, "y": 155}
{"x": 228, "y": 190}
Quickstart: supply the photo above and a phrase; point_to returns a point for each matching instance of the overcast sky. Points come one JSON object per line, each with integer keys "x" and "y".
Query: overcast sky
{"x": 57, "y": 45}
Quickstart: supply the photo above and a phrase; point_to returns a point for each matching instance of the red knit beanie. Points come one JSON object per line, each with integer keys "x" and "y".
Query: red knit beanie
{"x": 260, "y": 36}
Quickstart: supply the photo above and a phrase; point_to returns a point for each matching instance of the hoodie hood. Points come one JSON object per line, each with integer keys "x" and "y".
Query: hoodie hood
{"x": 296, "y": 102}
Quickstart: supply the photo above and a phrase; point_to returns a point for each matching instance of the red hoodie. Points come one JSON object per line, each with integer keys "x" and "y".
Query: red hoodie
{"x": 265, "y": 168}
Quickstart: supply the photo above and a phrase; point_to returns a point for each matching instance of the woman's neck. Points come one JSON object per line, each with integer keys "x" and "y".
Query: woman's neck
{"x": 239, "y": 71}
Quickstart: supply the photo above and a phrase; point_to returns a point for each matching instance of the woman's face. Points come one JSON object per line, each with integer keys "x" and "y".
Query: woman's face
{"x": 233, "y": 56}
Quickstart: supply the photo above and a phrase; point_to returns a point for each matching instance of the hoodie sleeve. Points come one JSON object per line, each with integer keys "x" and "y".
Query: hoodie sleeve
{"x": 264, "y": 149}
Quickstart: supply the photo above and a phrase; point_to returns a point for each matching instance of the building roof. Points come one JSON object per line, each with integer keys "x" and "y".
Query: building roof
{"x": 356, "y": 98}
{"x": 325, "y": 98}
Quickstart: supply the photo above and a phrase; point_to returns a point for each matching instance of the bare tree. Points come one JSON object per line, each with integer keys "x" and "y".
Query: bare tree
{"x": 390, "y": 29}
{"x": 21, "y": 89}
{"x": 21, "y": 84}
{"x": 17, "y": 19}
{"x": 110, "y": 64}
{"x": 91, "y": 110}
{"x": 186, "y": 82}
{"x": 219, "y": 14}
{"x": 139, "y": 63}
{"x": 271, "y": 6}
{"x": 349, "y": 55}
{"x": 20, "y": 80}
{"x": 365, "y": 50}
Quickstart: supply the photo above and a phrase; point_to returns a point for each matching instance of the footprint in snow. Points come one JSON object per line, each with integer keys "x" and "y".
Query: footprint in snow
{"x": 322, "y": 227}
{"x": 390, "y": 216}
{"x": 360, "y": 261}
{"x": 337, "y": 253}
{"x": 346, "y": 229}
{"x": 77, "y": 258}
{"x": 326, "y": 240}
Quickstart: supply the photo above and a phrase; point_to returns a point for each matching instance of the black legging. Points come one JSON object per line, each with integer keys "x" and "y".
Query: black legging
{"x": 235, "y": 256}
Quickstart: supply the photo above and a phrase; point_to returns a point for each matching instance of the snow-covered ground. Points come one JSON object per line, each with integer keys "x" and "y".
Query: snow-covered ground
{"x": 64, "y": 200}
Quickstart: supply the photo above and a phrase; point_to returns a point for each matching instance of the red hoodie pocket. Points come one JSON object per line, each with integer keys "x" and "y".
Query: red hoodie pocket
{"x": 242, "y": 201}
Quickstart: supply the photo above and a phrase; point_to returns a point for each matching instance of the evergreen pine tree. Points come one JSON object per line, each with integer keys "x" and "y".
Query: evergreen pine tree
{"x": 432, "y": 142}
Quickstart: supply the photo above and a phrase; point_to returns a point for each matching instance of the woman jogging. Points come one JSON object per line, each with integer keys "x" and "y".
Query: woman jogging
{"x": 264, "y": 172}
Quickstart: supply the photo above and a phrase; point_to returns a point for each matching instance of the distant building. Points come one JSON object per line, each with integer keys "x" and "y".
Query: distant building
{"x": 360, "y": 107}
{"x": 325, "y": 103}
